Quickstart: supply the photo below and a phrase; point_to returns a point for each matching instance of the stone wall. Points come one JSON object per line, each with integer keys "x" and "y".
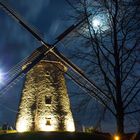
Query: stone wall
{"x": 45, "y": 104}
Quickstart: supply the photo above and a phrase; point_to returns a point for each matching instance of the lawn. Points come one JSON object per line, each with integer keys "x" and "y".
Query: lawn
{"x": 53, "y": 136}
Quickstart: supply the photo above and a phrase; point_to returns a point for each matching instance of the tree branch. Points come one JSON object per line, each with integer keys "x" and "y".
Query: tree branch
{"x": 133, "y": 87}
{"x": 130, "y": 101}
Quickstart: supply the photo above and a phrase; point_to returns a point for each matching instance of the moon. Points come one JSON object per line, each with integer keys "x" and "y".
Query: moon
{"x": 96, "y": 23}
{"x": 100, "y": 23}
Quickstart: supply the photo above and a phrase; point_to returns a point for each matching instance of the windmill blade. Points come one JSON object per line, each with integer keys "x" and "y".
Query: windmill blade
{"x": 50, "y": 48}
{"x": 87, "y": 86}
{"x": 91, "y": 91}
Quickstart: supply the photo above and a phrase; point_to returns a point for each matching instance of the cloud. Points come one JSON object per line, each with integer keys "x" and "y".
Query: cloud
{"x": 34, "y": 8}
{"x": 54, "y": 28}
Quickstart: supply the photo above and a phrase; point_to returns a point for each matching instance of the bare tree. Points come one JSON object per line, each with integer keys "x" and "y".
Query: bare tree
{"x": 108, "y": 48}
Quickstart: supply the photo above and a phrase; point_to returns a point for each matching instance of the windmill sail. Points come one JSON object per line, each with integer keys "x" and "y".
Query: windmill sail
{"x": 47, "y": 48}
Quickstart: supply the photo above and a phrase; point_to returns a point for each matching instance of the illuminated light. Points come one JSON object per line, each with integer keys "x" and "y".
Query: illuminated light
{"x": 70, "y": 125}
{"x": 45, "y": 127}
{"x": 22, "y": 126}
{"x": 96, "y": 23}
{"x": 116, "y": 137}
{"x": 100, "y": 23}
{"x": 1, "y": 77}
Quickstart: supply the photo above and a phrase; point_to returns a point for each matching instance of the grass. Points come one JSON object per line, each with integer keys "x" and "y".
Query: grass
{"x": 53, "y": 136}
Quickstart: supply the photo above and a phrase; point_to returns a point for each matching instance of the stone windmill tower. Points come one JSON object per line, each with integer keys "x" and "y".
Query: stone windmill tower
{"x": 44, "y": 104}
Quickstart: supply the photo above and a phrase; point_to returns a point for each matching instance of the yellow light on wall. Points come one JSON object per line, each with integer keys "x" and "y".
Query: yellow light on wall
{"x": 70, "y": 125}
{"x": 45, "y": 127}
{"x": 22, "y": 126}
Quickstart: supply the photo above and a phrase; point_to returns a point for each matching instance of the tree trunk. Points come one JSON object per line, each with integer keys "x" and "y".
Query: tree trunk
{"x": 120, "y": 120}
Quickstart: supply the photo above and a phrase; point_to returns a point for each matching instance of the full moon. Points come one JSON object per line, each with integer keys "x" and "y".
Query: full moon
{"x": 96, "y": 23}
{"x": 100, "y": 23}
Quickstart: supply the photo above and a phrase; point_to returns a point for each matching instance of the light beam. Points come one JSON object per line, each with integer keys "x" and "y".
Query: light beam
{"x": 1, "y": 77}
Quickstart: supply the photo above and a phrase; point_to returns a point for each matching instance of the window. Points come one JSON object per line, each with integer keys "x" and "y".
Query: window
{"x": 48, "y": 121}
{"x": 48, "y": 99}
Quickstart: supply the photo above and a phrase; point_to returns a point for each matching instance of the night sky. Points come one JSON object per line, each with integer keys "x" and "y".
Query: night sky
{"x": 49, "y": 18}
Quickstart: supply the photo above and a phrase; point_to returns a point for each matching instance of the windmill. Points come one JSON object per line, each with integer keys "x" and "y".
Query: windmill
{"x": 38, "y": 58}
